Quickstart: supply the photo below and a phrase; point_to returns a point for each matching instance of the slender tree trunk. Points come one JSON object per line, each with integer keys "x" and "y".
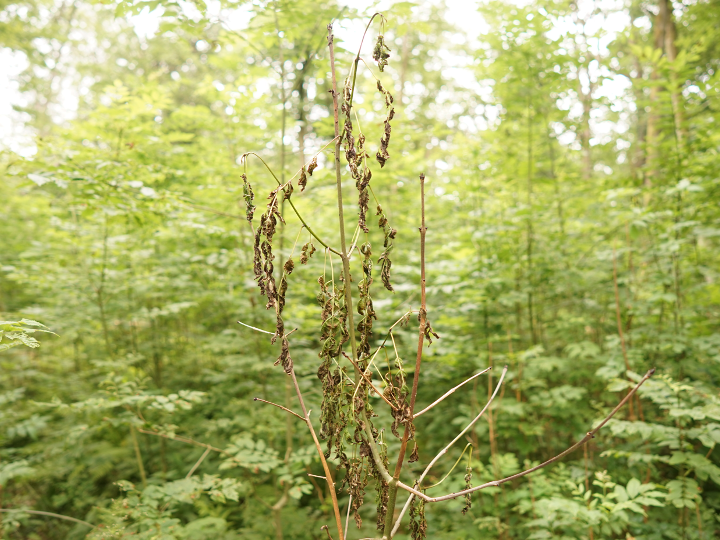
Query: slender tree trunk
{"x": 302, "y": 92}
{"x": 664, "y": 37}
{"x": 586, "y": 98}
{"x": 405, "y": 56}
{"x": 529, "y": 244}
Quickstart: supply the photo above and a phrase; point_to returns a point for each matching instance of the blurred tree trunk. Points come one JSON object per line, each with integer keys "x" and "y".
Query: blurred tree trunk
{"x": 664, "y": 36}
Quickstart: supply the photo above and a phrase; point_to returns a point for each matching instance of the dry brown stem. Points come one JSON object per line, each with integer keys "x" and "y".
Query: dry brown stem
{"x": 422, "y": 317}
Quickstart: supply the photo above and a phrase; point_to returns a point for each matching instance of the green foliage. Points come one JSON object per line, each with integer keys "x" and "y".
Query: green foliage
{"x": 14, "y": 333}
{"x": 553, "y": 205}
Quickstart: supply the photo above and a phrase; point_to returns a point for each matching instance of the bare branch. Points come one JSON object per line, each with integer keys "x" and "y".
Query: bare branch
{"x": 186, "y": 440}
{"x": 198, "y": 462}
{"x": 321, "y": 454}
{"x": 49, "y": 514}
{"x": 422, "y": 319}
{"x": 258, "y": 329}
{"x": 327, "y": 531}
{"x": 444, "y": 451}
{"x": 347, "y": 517}
{"x": 446, "y": 394}
{"x": 588, "y": 436}
{"x": 279, "y": 407}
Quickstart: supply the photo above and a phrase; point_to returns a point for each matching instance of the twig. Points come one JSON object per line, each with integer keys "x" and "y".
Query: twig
{"x": 392, "y": 491}
{"x": 279, "y": 407}
{"x": 282, "y": 501}
{"x": 187, "y": 440}
{"x": 317, "y": 487}
{"x": 347, "y": 517}
{"x": 258, "y": 329}
{"x": 588, "y": 436}
{"x": 444, "y": 451}
{"x": 327, "y": 531}
{"x": 446, "y": 394}
{"x": 468, "y": 445}
{"x": 370, "y": 384}
{"x": 357, "y": 58}
{"x": 49, "y": 514}
{"x": 316, "y": 476}
{"x": 198, "y": 462}
{"x": 138, "y": 456}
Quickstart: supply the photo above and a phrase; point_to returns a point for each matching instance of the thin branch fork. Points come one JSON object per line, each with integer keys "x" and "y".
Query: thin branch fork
{"x": 449, "y": 392}
{"x": 445, "y": 450}
{"x": 280, "y": 407}
{"x": 588, "y": 436}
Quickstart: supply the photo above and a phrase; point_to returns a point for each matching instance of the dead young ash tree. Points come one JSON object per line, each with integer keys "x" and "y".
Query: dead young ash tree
{"x": 353, "y": 440}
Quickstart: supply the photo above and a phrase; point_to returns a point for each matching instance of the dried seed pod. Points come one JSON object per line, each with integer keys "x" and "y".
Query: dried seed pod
{"x": 249, "y": 197}
{"x": 364, "y": 199}
{"x": 302, "y": 182}
{"x": 313, "y": 165}
{"x": 307, "y": 250}
{"x": 381, "y": 53}
{"x": 397, "y": 392}
{"x": 468, "y": 485}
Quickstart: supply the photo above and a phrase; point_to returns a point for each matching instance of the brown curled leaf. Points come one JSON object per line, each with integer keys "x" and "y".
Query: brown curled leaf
{"x": 313, "y": 165}
{"x": 302, "y": 182}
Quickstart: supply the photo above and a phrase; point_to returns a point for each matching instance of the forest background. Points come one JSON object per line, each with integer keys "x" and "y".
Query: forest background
{"x": 571, "y": 155}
